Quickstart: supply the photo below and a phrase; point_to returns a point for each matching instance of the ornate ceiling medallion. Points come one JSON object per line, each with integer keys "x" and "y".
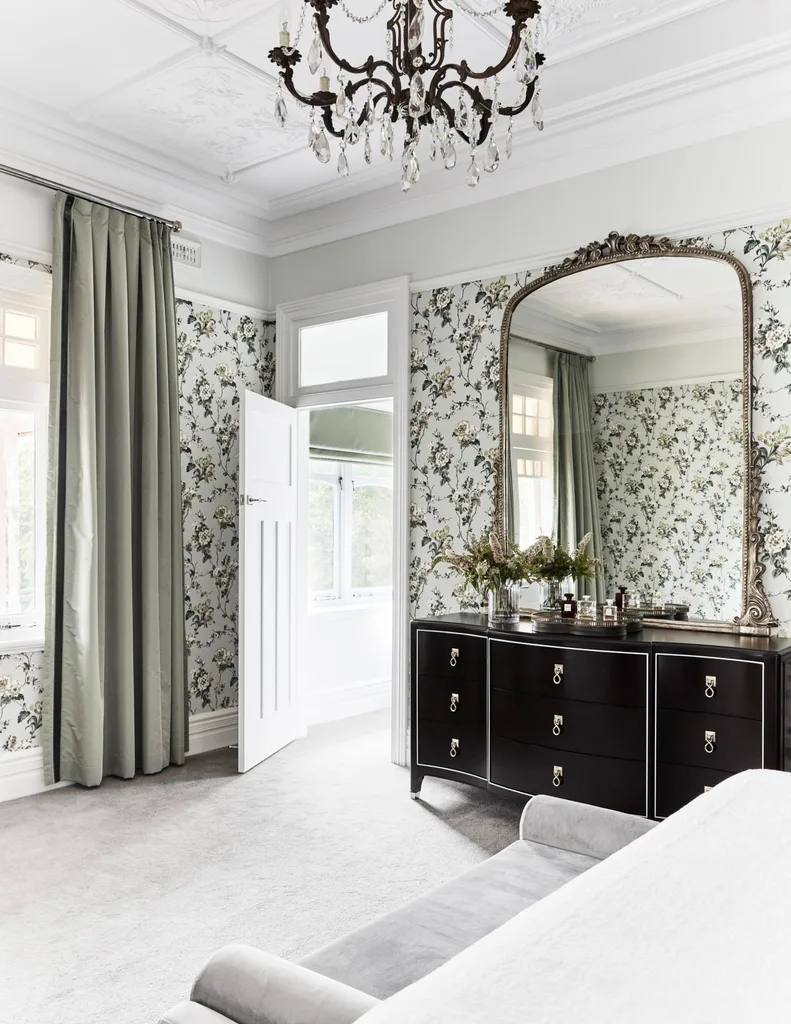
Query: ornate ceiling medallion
{"x": 416, "y": 84}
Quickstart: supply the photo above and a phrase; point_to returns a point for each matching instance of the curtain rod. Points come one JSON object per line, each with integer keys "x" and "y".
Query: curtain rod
{"x": 13, "y": 172}
{"x": 552, "y": 348}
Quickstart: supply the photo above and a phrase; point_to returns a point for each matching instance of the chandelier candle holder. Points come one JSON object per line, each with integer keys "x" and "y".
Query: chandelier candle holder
{"x": 416, "y": 83}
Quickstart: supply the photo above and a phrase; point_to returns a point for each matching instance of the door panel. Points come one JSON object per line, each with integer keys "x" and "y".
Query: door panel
{"x": 267, "y": 521}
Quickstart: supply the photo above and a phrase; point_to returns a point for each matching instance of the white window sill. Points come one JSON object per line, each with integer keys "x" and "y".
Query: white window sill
{"x": 348, "y": 607}
{"x": 21, "y": 639}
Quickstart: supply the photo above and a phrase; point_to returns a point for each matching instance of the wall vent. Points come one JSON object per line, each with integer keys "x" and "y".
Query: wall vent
{"x": 185, "y": 250}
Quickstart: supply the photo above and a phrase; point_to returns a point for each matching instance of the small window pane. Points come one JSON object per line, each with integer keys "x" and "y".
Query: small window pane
{"x": 20, "y": 325}
{"x": 344, "y": 350}
{"x": 531, "y": 406}
{"x": 544, "y": 409}
{"x": 321, "y": 569}
{"x": 372, "y": 536}
{"x": 531, "y": 426}
{"x": 17, "y": 512}
{"x": 519, "y": 404}
{"x": 17, "y": 353}
{"x": 518, "y": 424}
{"x": 545, "y": 428}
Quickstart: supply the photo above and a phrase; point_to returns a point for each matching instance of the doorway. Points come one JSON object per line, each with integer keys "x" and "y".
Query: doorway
{"x": 345, "y": 604}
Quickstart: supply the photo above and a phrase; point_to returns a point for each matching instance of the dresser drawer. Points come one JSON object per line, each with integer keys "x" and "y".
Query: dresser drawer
{"x": 436, "y": 657}
{"x": 603, "y": 781}
{"x": 719, "y": 686}
{"x": 451, "y": 700}
{"x": 677, "y": 784}
{"x": 583, "y": 727}
{"x": 602, "y": 677}
{"x": 452, "y": 745}
{"x": 682, "y": 738}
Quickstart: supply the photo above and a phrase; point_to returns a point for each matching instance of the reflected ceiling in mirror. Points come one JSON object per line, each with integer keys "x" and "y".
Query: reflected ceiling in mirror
{"x": 664, "y": 339}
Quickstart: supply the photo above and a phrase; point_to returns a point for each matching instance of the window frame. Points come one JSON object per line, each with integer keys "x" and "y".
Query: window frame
{"x": 345, "y": 596}
{"x": 27, "y": 390}
{"x": 528, "y": 446}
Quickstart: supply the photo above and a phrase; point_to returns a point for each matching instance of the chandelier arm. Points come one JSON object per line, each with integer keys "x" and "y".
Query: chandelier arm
{"x": 441, "y": 18}
{"x": 519, "y": 107}
{"x": 367, "y": 68}
{"x": 386, "y": 93}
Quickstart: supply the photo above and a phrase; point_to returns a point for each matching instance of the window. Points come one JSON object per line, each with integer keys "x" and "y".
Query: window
{"x": 350, "y": 531}
{"x": 531, "y": 452}
{"x": 24, "y": 322}
{"x": 343, "y": 350}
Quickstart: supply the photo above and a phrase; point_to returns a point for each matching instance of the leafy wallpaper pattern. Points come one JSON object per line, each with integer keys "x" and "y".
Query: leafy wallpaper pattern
{"x": 669, "y": 468}
{"x": 455, "y": 338}
{"x": 219, "y": 353}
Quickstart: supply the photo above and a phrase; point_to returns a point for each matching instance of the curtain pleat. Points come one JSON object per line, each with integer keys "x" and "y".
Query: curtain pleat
{"x": 576, "y": 500}
{"x": 115, "y": 589}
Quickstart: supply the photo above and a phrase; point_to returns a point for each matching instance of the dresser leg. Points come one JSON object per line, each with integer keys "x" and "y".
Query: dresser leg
{"x": 417, "y": 782}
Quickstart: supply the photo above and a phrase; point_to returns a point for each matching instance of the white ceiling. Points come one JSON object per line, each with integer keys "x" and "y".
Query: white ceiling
{"x": 172, "y": 100}
{"x": 634, "y": 305}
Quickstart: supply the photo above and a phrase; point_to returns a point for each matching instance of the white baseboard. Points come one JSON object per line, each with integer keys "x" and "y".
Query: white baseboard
{"x": 210, "y": 730}
{"x": 346, "y": 701}
{"x": 22, "y": 772}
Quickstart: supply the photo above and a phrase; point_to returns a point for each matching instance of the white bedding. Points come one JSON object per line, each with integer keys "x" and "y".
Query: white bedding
{"x": 691, "y": 923}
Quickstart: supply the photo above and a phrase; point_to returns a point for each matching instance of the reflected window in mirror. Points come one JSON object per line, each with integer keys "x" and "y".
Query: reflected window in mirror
{"x": 531, "y": 452}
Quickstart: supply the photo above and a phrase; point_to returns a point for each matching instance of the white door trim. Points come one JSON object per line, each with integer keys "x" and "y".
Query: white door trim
{"x": 392, "y": 295}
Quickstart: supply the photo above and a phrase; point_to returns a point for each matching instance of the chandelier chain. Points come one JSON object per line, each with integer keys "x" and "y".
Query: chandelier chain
{"x": 361, "y": 19}
{"x": 497, "y": 9}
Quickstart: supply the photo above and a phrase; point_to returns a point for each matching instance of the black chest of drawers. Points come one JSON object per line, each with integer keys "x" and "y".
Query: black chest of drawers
{"x": 642, "y": 725}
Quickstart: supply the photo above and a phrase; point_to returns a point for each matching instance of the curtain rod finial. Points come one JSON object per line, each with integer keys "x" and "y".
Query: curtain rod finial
{"x": 177, "y": 225}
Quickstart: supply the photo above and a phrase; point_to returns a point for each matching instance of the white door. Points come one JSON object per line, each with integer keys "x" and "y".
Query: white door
{"x": 267, "y": 559}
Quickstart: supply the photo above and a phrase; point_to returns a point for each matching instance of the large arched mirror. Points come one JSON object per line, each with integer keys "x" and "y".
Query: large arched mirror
{"x": 626, "y": 413}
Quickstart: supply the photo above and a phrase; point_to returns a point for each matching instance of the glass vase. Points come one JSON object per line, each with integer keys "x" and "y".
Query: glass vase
{"x": 551, "y": 595}
{"x": 504, "y": 604}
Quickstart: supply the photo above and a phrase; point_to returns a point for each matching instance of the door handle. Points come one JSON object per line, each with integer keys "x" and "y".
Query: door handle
{"x": 252, "y": 501}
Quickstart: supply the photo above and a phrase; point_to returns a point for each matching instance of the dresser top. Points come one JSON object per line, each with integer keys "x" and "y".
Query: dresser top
{"x": 475, "y": 623}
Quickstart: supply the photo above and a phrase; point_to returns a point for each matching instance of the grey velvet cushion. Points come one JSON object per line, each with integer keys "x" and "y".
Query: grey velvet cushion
{"x": 397, "y": 949}
{"x": 249, "y": 986}
{"x": 567, "y": 825}
{"x": 193, "y": 1013}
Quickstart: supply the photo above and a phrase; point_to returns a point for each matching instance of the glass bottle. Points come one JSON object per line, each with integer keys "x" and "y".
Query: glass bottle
{"x": 619, "y": 598}
{"x": 610, "y": 612}
{"x": 568, "y": 609}
{"x": 587, "y": 608}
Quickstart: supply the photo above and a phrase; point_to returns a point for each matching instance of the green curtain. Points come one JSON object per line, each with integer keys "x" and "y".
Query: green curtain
{"x": 116, "y": 700}
{"x": 576, "y": 501}
{"x": 351, "y": 434}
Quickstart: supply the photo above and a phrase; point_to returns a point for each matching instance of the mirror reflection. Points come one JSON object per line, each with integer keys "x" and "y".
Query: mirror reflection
{"x": 625, "y": 421}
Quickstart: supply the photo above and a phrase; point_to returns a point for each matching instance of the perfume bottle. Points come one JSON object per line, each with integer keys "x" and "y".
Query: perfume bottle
{"x": 626, "y": 600}
{"x": 568, "y": 609}
{"x": 619, "y": 598}
{"x": 610, "y": 611}
{"x": 587, "y": 608}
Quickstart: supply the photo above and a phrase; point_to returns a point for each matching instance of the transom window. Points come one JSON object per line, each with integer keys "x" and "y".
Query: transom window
{"x": 21, "y": 332}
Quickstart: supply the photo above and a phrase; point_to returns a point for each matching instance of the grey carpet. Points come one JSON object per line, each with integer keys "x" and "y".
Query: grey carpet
{"x": 112, "y": 899}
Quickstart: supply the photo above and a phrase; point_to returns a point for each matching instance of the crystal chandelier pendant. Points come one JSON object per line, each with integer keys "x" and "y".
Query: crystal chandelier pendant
{"x": 351, "y": 133}
{"x": 525, "y": 63}
{"x": 433, "y": 150}
{"x": 509, "y": 138}
{"x": 313, "y": 132}
{"x": 417, "y": 96}
{"x": 449, "y": 156}
{"x": 462, "y": 119}
{"x": 322, "y": 148}
{"x": 410, "y": 168}
{"x": 537, "y": 110}
{"x": 386, "y": 139}
{"x": 316, "y": 53}
{"x": 491, "y": 160}
{"x": 281, "y": 110}
{"x": 340, "y": 99}
{"x": 367, "y": 148}
{"x": 343, "y": 163}
{"x": 473, "y": 171}
{"x": 416, "y": 25}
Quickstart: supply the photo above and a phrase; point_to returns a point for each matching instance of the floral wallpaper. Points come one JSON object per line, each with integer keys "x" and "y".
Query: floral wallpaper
{"x": 455, "y": 337}
{"x": 21, "y": 690}
{"x": 669, "y": 468}
{"x": 220, "y": 353}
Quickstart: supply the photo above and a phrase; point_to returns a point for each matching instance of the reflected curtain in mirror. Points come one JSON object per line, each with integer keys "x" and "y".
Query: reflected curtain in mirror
{"x": 115, "y": 702}
{"x": 576, "y": 502}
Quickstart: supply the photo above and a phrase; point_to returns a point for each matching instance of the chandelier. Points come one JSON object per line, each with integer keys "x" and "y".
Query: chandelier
{"x": 416, "y": 84}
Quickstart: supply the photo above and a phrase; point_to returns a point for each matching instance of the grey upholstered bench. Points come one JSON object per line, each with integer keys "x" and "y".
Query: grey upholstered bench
{"x": 558, "y": 840}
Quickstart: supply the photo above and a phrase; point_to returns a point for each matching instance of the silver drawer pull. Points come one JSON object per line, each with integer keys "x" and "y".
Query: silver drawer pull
{"x": 557, "y": 726}
{"x": 710, "y": 741}
{"x": 454, "y": 748}
{"x": 707, "y": 789}
{"x": 454, "y": 701}
{"x": 454, "y": 657}
{"x": 557, "y": 775}
{"x": 711, "y": 686}
{"x": 557, "y": 678}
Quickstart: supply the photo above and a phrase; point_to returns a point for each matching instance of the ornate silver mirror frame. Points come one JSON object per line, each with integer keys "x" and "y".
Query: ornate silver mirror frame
{"x": 756, "y": 614}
